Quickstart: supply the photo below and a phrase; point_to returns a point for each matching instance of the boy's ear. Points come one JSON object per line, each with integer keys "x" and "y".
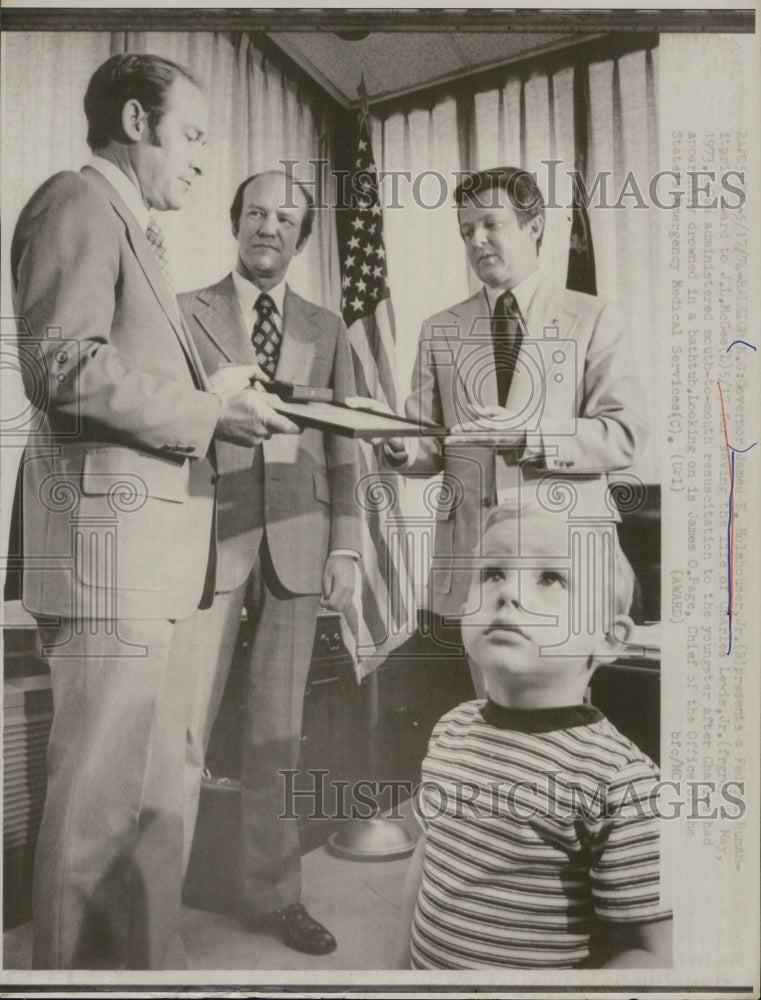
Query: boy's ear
{"x": 613, "y": 644}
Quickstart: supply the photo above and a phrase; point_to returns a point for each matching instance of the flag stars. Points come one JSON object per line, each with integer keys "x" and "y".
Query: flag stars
{"x": 349, "y": 262}
{"x": 361, "y": 285}
{"x": 366, "y": 269}
{"x": 358, "y": 223}
{"x": 346, "y": 281}
{"x": 362, "y": 144}
{"x": 369, "y": 248}
{"x": 354, "y": 243}
{"x": 378, "y": 271}
{"x": 356, "y": 304}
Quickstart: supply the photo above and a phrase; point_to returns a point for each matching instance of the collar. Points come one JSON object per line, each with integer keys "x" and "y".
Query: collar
{"x": 539, "y": 720}
{"x": 524, "y": 292}
{"x": 124, "y": 188}
{"x": 248, "y": 293}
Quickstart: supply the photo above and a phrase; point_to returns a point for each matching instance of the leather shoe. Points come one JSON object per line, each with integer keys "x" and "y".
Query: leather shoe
{"x": 296, "y": 929}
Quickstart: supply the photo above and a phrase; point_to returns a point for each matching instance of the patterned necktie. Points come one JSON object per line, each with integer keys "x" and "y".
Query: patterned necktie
{"x": 156, "y": 240}
{"x": 507, "y": 334}
{"x": 266, "y": 336}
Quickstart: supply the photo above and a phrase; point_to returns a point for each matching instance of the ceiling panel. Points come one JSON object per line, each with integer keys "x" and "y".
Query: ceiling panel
{"x": 395, "y": 63}
{"x": 483, "y": 50}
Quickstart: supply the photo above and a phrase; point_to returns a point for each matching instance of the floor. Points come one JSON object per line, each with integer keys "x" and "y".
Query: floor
{"x": 357, "y": 901}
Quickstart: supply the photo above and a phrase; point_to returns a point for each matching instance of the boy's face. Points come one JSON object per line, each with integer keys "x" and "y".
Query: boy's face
{"x": 528, "y": 595}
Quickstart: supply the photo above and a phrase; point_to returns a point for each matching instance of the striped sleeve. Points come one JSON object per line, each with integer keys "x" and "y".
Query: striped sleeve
{"x": 625, "y": 874}
{"x": 428, "y": 795}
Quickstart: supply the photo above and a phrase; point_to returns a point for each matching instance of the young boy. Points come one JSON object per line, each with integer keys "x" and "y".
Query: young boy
{"x": 540, "y": 847}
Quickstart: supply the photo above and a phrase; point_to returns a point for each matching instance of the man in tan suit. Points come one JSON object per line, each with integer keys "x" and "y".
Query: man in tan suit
{"x": 537, "y": 383}
{"x": 119, "y": 485}
{"x": 288, "y": 535}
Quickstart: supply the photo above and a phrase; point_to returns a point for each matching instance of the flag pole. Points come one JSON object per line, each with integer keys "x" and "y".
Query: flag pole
{"x": 378, "y": 838}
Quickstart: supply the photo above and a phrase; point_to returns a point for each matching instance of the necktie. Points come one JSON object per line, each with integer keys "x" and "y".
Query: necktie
{"x": 266, "y": 336}
{"x": 156, "y": 240}
{"x": 507, "y": 334}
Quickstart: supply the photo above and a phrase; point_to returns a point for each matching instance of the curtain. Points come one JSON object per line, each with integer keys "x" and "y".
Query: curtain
{"x": 258, "y": 116}
{"x": 528, "y": 121}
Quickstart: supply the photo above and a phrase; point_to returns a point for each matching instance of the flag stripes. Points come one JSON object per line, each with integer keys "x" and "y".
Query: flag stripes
{"x": 383, "y": 614}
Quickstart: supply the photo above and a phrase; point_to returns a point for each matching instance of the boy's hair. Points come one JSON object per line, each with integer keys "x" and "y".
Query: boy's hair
{"x": 624, "y": 579}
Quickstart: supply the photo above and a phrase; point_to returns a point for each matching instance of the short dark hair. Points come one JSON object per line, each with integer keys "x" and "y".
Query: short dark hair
{"x": 126, "y": 77}
{"x": 237, "y": 204}
{"x": 519, "y": 185}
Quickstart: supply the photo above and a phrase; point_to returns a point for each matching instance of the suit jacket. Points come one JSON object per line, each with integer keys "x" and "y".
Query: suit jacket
{"x": 582, "y": 405}
{"x": 300, "y": 489}
{"x": 118, "y": 491}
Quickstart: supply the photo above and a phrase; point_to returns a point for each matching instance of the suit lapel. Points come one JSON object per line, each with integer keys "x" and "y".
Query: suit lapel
{"x": 473, "y": 349}
{"x": 299, "y": 339}
{"x": 147, "y": 261}
{"x": 547, "y": 322}
{"x": 217, "y": 311}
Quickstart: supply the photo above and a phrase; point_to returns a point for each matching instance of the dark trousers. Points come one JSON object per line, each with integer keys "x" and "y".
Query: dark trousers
{"x": 281, "y": 629}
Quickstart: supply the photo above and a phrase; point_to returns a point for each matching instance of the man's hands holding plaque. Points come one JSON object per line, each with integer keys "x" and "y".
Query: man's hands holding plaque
{"x": 491, "y": 426}
{"x": 247, "y": 416}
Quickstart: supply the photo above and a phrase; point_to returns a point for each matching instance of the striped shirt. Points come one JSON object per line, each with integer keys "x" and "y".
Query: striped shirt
{"x": 539, "y": 826}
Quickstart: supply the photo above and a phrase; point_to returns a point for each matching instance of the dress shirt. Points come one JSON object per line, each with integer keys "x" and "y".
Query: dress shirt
{"x": 124, "y": 188}
{"x": 247, "y": 293}
{"x": 523, "y": 292}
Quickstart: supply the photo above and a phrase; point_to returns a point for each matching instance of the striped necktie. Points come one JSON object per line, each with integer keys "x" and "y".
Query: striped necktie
{"x": 266, "y": 336}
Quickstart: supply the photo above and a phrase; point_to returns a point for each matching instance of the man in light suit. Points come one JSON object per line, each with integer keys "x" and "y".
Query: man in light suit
{"x": 537, "y": 383}
{"x": 118, "y": 515}
{"x": 288, "y": 535}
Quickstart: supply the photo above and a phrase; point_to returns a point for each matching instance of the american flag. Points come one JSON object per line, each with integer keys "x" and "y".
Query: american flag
{"x": 383, "y": 614}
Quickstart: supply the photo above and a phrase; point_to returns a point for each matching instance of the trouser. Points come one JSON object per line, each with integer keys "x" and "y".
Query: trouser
{"x": 108, "y": 864}
{"x": 281, "y": 629}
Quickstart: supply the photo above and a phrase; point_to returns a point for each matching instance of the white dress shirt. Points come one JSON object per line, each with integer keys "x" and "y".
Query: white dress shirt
{"x": 124, "y": 188}
{"x": 523, "y": 292}
{"x": 248, "y": 293}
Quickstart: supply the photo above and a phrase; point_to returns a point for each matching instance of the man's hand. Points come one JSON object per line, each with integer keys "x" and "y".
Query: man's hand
{"x": 337, "y": 582}
{"x": 228, "y": 380}
{"x": 395, "y": 447}
{"x": 494, "y": 425}
{"x": 247, "y": 417}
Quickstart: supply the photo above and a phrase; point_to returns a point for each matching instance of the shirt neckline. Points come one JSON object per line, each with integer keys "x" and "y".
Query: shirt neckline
{"x": 539, "y": 720}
